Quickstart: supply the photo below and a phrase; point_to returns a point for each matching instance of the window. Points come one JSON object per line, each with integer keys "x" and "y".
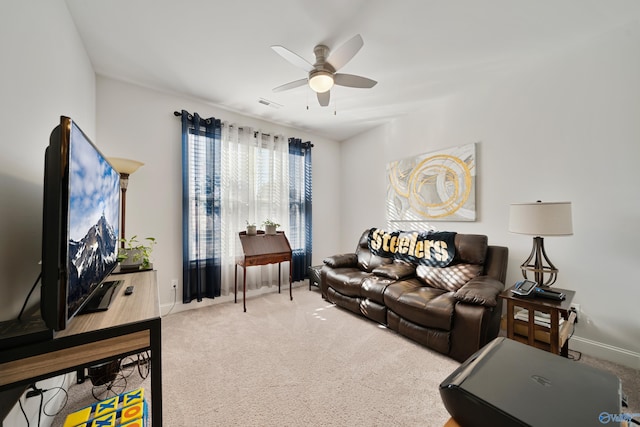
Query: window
{"x": 204, "y": 195}
{"x": 233, "y": 175}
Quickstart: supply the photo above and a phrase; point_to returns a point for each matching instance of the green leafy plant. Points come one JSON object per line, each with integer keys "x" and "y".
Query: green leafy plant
{"x": 250, "y": 224}
{"x": 140, "y": 253}
{"x": 270, "y": 223}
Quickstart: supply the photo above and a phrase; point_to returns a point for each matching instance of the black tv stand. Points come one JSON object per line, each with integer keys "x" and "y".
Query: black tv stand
{"x": 28, "y": 330}
{"x": 101, "y": 299}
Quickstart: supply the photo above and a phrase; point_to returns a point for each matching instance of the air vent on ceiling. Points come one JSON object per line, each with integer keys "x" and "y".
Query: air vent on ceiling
{"x": 269, "y": 103}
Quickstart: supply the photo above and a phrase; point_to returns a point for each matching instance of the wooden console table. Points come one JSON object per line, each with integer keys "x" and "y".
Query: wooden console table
{"x": 262, "y": 249}
{"x": 131, "y": 325}
{"x": 554, "y": 338}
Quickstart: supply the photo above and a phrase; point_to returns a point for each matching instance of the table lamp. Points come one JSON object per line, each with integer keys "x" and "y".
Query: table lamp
{"x": 540, "y": 219}
{"x": 124, "y": 167}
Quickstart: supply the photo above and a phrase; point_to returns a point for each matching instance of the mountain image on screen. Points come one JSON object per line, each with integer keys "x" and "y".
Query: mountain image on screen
{"x": 90, "y": 259}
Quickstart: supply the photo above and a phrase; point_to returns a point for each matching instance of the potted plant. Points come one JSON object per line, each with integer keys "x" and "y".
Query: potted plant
{"x": 251, "y": 229}
{"x": 270, "y": 226}
{"x": 136, "y": 255}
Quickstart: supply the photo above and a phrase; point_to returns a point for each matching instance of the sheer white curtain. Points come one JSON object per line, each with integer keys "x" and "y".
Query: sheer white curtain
{"x": 254, "y": 187}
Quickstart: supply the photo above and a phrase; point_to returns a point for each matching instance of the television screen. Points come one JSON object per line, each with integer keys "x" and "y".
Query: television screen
{"x": 80, "y": 223}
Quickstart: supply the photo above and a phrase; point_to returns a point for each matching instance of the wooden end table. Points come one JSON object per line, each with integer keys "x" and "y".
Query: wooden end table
{"x": 553, "y": 338}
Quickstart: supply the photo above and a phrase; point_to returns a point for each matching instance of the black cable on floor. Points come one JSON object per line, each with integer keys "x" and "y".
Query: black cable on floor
{"x": 23, "y": 413}
{"x": 574, "y": 355}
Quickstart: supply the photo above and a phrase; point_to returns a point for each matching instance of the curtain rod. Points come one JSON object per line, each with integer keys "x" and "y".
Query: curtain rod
{"x": 178, "y": 114}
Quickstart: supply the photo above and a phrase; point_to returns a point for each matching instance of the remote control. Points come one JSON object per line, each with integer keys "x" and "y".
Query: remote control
{"x": 129, "y": 290}
{"x": 545, "y": 293}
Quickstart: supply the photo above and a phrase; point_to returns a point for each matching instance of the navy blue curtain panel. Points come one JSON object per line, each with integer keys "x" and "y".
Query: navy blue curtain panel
{"x": 300, "y": 202}
{"x": 201, "y": 245}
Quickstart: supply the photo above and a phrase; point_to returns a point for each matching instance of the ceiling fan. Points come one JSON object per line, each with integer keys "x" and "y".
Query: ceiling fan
{"x": 323, "y": 74}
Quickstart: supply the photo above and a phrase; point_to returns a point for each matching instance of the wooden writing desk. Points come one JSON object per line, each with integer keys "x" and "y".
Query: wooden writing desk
{"x": 262, "y": 249}
{"x": 131, "y": 325}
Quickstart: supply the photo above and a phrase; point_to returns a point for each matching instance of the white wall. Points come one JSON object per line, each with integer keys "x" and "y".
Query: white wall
{"x": 138, "y": 123}
{"x": 565, "y": 127}
{"x": 45, "y": 73}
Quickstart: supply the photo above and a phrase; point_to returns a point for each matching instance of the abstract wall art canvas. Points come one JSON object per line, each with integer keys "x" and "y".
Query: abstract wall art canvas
{"x": 436, "y": 186}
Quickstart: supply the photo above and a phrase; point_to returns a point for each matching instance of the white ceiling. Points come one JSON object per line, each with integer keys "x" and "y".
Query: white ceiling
{"x": 417, "y": 50}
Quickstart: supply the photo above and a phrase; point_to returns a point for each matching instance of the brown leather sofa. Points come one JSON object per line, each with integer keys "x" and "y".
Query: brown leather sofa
{"x": 454, "y": 310}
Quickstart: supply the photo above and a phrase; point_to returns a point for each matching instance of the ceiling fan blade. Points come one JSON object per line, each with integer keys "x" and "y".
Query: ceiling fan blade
{"x": 323, "y": 98}
{"x": 293, "y": 58}
{"x": 339, "y": 57}
{"x": 350, "y": 80}
{"x": 290, "y": 85}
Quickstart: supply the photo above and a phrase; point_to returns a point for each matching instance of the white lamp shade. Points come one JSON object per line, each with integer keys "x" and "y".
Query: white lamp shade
{"x": 321, "y": 81}
{"x": 541, "y": 219}
{"x": 126, "y": 166}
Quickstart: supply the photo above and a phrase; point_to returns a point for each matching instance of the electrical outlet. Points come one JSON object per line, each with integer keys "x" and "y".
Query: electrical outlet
{"x": 174, "y": 283}
{"x": 576, "y": 307}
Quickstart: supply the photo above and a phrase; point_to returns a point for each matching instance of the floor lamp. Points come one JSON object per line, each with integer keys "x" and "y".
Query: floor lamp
{"x": 124, "y": 167}
{"x": 540, "y": 219}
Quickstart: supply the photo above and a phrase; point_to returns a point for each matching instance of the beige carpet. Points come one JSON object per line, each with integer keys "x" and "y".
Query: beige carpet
{"x": 292, "y": 363}
{"x": 300, "y": 362}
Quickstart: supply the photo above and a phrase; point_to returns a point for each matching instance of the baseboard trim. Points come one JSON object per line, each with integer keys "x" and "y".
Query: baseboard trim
{"x": 608, "y": 352}
{"x": 179, "y": 306}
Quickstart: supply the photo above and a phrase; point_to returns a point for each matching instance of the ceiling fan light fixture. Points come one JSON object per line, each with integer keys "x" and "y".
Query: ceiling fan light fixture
{"x": 321, "y": 81}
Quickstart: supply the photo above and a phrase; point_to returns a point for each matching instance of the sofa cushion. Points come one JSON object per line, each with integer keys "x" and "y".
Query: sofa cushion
{"x": 374, "y": 311}
{"x": 367, "y": 261}
{"x": 341, "y": 260}
{"x": 373, "y": 288}
{"x": 481, "y": 291}
{"x": 435, "y": 339}
{"x": 423, "y": 305}
{"x": 471, "y": 248}
{"x": 350, "y": 303}
{"x": 347, "y": 281}
{"x": 449, "y": 278}
{"x": 396, "y": 270}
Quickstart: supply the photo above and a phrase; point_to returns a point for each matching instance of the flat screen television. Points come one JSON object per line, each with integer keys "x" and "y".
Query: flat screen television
{"x": 81, "y": 203}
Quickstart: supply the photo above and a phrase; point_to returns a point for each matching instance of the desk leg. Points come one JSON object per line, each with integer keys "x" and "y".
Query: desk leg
{"x": 244, "y": 288}
{"x": 235, "y": 284}
{"x": 279, "y": 275}
{"x": 156, "y": 374}
{"x": 290, "y": 277}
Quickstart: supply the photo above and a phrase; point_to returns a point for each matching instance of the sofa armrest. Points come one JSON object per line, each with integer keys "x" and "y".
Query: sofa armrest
{"x": 481, "y": 290}
{"x": 395, "y": 270}
{"x": 341, "y": 260}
